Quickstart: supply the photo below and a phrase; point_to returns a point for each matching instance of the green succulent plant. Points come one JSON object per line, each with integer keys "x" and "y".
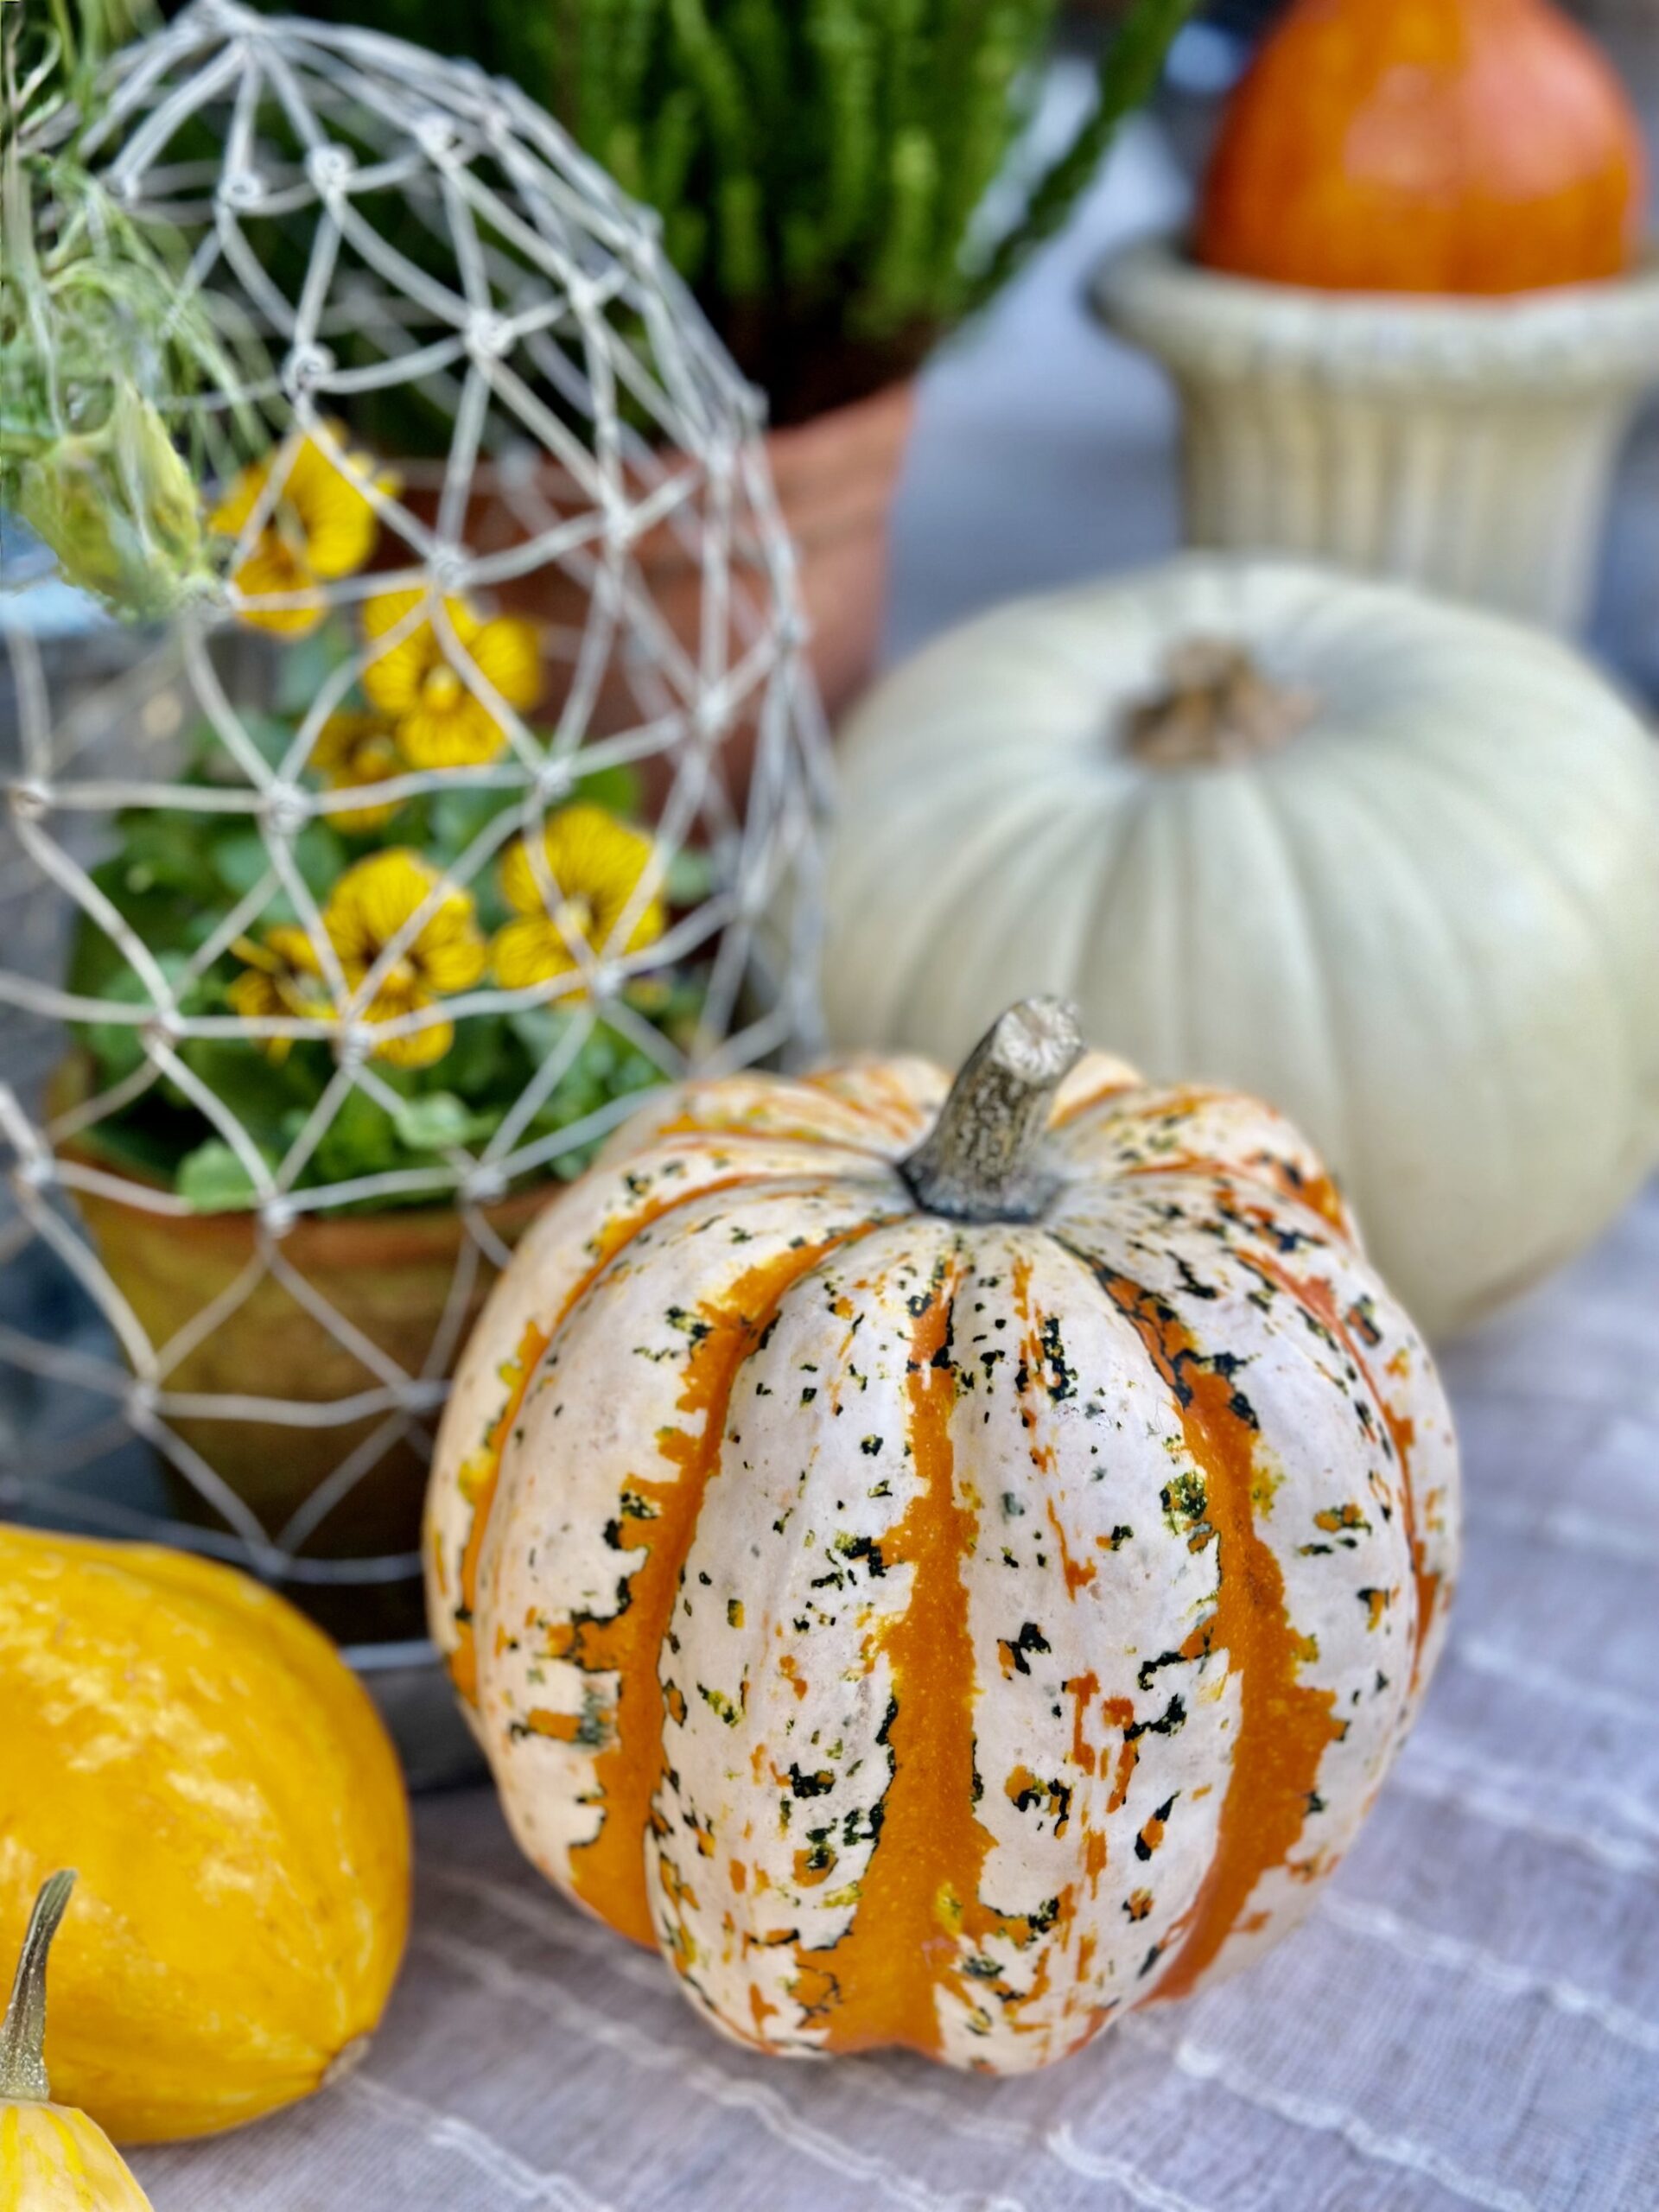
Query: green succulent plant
{"x": 823, "y": 168}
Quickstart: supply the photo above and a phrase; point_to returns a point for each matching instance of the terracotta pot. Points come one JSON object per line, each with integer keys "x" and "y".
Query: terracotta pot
{"x": 389, "y": 1276}
{"x": 835, "y": 477}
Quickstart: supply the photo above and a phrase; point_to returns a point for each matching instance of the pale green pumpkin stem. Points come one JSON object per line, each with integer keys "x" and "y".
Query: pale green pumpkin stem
{"x": 1217, "y": 710}
{"x": 23, "y": 2033}
{"x": 985, "y": 1157}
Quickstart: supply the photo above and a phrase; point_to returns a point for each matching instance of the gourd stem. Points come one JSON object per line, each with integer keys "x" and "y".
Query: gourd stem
{"x": 22, "y": 2034}
{"x": 985, "y": 1159}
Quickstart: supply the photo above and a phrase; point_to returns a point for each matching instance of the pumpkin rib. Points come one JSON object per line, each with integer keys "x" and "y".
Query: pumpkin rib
{"x": 1317, "y": 1300}
{"x": 617, "y": 1655}
{"x": 714, "y": 1110}
{"x": 686, "y": 1133}
{"x": 1542, "y": 861}
{"x": 865, "y": 1987}
{"x": 778, "y": 1756}
{"x": 1098, "y": 1079}
{"x": 1317, "y": 985}
{"x": 1618, "y": 1024}
{"x": 1116, "y": 887}
{"x": 1371, "y": 817}
{"x": 896, "y": 1111}
{"x": 1284, "y": 1728}
{"x": 479, "y": 1471}
{"x": 482, "y": 1472}
{"x": 609, "y": 1873}
{"x": 1451, "y": 959}
{"x": 1339, "y": 1304}
{"x": 949, "y": 896}
{"x": 1299, "y": 1181}
{"x": 1102, "y": 1530}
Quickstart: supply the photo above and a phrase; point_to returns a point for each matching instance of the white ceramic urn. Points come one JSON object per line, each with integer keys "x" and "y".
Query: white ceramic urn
{"x": 1464, "y": 445}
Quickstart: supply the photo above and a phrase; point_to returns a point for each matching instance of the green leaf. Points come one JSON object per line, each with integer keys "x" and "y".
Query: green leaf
{"x": 117, "y": 1047}
{"x": 1128, "y": 77}
{"x": 459, "y": 817}
{"x": 304, "y": 665}
{"x": 273, "y": 733}
{"x": 213, "y": 1179}
{"x": 439, "y": 1120}
{"x": 262, "y": 1093}
{"x": 540, "y": 1030}
{"x": 97, "y": 967}
{"x": 323, "y": 858}
{"x": 361, "y": 1139}
{"x": 618, "y": 789}
{"x": 691, "y": 877}
{"x": 164, "y": 849}
{"x": 477, "y": 1067}
{"x": 240, "y": 859}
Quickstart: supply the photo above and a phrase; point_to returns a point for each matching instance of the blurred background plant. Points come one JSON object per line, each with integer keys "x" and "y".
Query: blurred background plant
{"x": 101, "y": 456}
{"x": 825, "y": 169}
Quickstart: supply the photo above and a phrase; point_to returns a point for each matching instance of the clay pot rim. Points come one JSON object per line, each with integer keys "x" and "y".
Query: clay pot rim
{"x": 897, "y": 397}
{"x": 393, "y": 1235}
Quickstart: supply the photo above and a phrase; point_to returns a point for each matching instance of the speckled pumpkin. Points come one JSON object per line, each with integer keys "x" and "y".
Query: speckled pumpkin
{"x": 944, "y": 1570}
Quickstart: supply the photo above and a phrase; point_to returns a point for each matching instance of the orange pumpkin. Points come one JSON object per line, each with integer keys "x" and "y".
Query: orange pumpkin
{"x": 1441, "y": 146}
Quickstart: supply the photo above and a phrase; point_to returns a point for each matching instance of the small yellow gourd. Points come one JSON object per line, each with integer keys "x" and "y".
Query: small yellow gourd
{"x": 222, "y": 1780}
{"x": 53, "y": 2159}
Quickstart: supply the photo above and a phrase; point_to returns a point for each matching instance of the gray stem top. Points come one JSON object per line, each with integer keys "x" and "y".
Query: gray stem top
{"x": 985, "y": 1159}
{"x": 23, "y": 2033}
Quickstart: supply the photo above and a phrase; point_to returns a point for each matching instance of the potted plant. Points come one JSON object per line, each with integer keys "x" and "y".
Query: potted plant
{"x": 379, "y": 930}
{"x": 823, "y": 175}
{"x": 272, "y": 1206}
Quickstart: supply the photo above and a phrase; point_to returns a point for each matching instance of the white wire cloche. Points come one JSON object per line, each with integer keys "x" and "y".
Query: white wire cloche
{"x": 342, "y": 918}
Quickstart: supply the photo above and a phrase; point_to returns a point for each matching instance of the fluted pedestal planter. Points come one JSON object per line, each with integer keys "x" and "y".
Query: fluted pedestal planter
{"x": 1464, "y": 445}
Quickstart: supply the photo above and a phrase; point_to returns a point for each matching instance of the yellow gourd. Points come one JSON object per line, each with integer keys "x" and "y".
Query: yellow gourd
{"x": 53, "y": 2159}
{"x": 226, "y": 1787}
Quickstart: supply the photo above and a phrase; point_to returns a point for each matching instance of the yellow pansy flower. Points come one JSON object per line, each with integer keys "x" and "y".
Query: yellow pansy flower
{"x": 281, "y": 977}
{"x": 415, "y": 681}
{"x": 596, "y": 863}
{"x": 322, "y": 525}
{"x": 371, "y": 907}
{"x": 354, "y": 751}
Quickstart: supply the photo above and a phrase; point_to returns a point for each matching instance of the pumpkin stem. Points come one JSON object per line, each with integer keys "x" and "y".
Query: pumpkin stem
{"x": 23, "y": 2033}
{"x": 1218, "y": 709}
{"x": 984, "y": 1158}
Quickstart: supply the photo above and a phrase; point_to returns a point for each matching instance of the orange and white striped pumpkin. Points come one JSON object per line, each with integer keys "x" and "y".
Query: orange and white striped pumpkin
{"x": 944, "y": 1589}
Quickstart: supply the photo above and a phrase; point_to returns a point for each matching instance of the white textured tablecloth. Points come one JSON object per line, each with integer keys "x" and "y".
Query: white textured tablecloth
{"x": 1471, "y": 2017}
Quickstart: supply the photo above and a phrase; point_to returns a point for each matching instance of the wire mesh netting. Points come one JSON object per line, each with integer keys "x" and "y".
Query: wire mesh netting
{"x": 340, "y": 921}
